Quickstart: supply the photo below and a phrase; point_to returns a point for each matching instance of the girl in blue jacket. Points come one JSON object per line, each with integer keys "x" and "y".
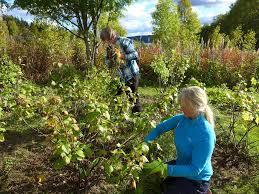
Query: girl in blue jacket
{"x": 194, "y": 138}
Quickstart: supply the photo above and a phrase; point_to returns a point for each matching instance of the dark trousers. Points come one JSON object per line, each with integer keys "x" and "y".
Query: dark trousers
{"x": 133, "y": 84}
{"x": 181, "y": 185}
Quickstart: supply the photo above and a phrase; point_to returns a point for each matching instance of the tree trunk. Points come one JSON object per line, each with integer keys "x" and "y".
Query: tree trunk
{"x": 94, "y": 51}
{"x": 88, "y": 52}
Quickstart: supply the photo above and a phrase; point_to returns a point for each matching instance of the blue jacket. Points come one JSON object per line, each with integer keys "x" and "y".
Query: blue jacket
{"x": 194, "y": 140}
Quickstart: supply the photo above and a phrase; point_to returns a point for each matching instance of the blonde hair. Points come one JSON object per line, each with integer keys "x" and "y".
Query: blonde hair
{"x": 198, "y": 101}
{"x": 107, "y": 34}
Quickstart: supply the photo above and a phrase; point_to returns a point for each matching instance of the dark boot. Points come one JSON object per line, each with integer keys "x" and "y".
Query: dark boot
{"x": 137, "y": 108}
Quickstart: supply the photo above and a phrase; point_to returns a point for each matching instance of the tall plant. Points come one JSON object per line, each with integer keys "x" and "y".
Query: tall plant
{"x": 166, "y": 24}
{"x": 190, "y": 25}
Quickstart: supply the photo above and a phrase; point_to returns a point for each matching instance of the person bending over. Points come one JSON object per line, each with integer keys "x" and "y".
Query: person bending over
{"x": 127, "y": 70}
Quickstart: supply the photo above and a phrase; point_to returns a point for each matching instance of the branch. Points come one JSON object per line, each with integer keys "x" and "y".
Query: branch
{"x": 79, "y": 21}
{"x": 68, "y": 29}
{"x": 66, "y": 18}
{"x": 251, "y": 143}
{"x": 246, "y": 133}
{"x": 85, "y": 20}
{"x": 130, "y": 138}
{"x": 91, "y": 139}
{"x": 232, "y": 122}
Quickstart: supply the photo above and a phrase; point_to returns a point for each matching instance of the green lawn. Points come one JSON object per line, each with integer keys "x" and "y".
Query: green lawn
{"x": 148, "y": 91}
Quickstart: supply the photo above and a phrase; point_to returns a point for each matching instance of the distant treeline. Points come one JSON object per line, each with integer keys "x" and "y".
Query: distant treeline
{"x": 242, "y": 18}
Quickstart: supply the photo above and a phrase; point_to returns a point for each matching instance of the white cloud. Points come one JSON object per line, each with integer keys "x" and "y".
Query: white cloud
{"x": 206, "y": 14}
{"x": 207, "y": 20}
{"x": 138, "y": 19}
{"x": 211, "y": 2}
{"x": 21, "y": 14}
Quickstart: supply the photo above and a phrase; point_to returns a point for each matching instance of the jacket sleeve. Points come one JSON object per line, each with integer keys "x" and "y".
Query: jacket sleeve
{"x": 129, "y": 50}
{"x": 163, "y": 127}
{"x": 201, "y": 154}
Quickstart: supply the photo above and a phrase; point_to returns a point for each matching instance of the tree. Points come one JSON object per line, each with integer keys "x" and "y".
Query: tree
{"x": 112, "y": 20}
{"x": 217, "y": 39}
{"x": 242, "y": 13}
{"x": 249, "y": 41}
{"x": 190, "y": 24}
{"x": 166, "y": 24}
{"x": 205, "y": 33}
{"x": 236, "y": 37}
{"x": 81, "y": 15}
{"x": 13, "y": 28}
{"x": 188, "y": 18}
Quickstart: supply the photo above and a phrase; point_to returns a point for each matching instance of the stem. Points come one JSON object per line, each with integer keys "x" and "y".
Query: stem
{"x": 232, "y": 123}
{"x": 246, "y": 133}
{"x": 130, "y": 138}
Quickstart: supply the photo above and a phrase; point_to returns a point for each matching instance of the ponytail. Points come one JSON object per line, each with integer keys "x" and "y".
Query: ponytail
{"x": 209, "y": 115}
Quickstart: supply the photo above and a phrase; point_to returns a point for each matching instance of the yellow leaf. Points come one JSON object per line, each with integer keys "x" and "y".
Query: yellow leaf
{"x": 133, "y": 184}
{"x": 257, "y": 120}
{"x": 247, "y": 116}
{"x": 41, "y": 178}
{"x": 253, "y": 81}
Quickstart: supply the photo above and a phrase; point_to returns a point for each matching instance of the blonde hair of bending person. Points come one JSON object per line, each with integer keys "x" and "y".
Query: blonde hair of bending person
{"x": 198, "y": 101}
{"x": 107, "y": 34}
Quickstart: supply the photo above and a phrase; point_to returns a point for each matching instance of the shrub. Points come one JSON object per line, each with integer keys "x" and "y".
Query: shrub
{"x": 147, "y": 54}
{"x": 40, "y": 49}
{"x": 219, "y": 66}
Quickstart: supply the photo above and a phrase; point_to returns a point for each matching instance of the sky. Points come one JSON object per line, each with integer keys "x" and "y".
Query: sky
{"x": 138, "y": 20}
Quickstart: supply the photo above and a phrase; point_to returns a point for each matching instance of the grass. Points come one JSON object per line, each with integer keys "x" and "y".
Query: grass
{"x": 148, "y": 91}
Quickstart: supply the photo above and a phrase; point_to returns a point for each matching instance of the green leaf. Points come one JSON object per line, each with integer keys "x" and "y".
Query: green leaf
{"x": 109, "y": 169}
{"x": 155, "y": 167}
{"x": 67, "y": 159}
{"x": 253, "y": 81}
{"x": 59, "y": 164}
{"x": 95, "y": 162}
{"x": 102, "y": 129}
{"x": 145, "y": 148}
{"x": 2, "y": 138}
{"x": 107, "y": 115}
{"x": 87, "y": 150}
{"x": 65, "y": 148}
{"x": 80, "y": 153}
{"x": 257, "y": 120}
{"x": 247, "y": 116}
{"x": 63, "y": 154}
{"x": 92, "y": 115}
{"x": 2, "y": 129}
